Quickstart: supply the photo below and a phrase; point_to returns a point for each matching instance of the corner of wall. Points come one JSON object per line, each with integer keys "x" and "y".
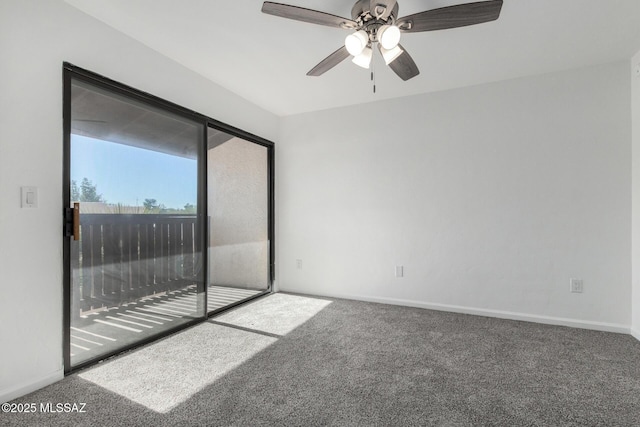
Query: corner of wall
{"x": 635, "y": 194}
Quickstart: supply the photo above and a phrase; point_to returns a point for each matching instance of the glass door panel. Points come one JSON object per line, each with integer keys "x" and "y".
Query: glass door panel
{"x": 136, "y": 267}
{"x": 238, "y": 209}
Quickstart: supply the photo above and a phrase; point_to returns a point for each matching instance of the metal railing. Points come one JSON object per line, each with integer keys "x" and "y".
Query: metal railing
{"x": 123, "y": 257}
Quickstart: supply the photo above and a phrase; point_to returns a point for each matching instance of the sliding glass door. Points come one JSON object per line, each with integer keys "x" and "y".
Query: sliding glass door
{"x": 168, "y": 217}
{"x": 135, "y": 189}
{"x": 239, "y": 188}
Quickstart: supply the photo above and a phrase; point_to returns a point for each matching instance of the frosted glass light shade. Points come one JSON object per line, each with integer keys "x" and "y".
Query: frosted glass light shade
{"x": 390, "y": 55}
{"x": 364, "y": 59}
{"x": 356, "y": 42}
{"x": 389, "y": 36}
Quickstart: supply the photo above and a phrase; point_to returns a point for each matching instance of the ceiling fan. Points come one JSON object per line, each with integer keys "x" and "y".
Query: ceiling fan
{"x": 376, "y": 22}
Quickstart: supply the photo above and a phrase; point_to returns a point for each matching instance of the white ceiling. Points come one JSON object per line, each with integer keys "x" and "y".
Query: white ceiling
{"x": 265, "y": 58}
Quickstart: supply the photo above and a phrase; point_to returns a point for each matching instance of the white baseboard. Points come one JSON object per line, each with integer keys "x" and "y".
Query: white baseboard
{"x": 548, "y": 320}
{"x": 31, "y": 386}
{"x": 635, "y": 333}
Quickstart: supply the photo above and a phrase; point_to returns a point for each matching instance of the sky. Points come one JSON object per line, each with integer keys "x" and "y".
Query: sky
{"x": 129, "y": 175}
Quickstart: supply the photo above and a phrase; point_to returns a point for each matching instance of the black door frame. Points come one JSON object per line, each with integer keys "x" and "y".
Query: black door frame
{"x": 71, "y": 72}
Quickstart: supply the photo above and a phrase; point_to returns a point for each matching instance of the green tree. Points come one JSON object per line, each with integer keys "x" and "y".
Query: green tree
{"x": 89, "y": 192}
{"x": 150, "y": 205}
{"x": 75, "y": 192}
{"x": 189, "y": 208}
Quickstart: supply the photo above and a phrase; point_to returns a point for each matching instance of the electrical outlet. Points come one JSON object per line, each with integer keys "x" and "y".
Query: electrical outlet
{"x": 299, "y": 264}
{"x": 399, "y": 271}
{"x": 576, "y": 286}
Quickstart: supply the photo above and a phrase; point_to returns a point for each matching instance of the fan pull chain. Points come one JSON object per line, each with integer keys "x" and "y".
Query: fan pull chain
{"x": 373, "y": 76}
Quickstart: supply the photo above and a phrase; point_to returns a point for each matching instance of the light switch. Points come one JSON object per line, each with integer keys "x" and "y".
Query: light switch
{"x": 29, "y": 197}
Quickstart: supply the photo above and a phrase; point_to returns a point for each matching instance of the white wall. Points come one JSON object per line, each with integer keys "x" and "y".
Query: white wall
{"x": 635, "y": 114}
{"x": 36, "y": 36}
{"x": 491, "y": 197}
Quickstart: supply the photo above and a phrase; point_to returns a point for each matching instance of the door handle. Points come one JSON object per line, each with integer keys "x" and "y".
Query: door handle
{"x": 76, "y": 221}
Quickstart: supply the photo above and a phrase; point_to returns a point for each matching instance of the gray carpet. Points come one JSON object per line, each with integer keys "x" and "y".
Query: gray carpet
{"x": 301, "y": 361}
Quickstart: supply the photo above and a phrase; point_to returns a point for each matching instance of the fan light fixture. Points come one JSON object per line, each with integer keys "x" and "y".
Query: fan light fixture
{"x": 356, "y": 42}
{"x": 389, "y": 36}
{"x": 364, "y": 59}
{"x": 390, "y": 55}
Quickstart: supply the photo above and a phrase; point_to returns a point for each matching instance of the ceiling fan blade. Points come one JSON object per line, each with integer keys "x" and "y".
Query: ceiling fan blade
{"x": 329, "y": 62}
{"x": 388, "y": 6}
{"x": 306, "y": 15}
{"x": 404, "y": 66}
{"x": 451, "y": 16}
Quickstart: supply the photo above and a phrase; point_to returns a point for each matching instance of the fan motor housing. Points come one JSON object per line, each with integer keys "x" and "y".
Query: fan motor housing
{"x": 361, "y": 11}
